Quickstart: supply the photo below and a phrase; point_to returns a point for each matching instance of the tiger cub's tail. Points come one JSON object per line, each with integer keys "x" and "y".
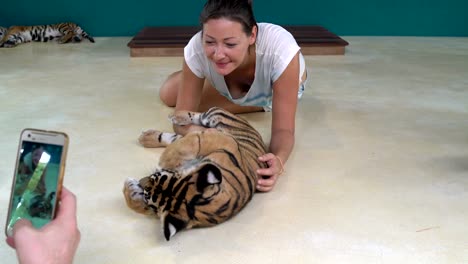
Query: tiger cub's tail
{"x": 87, "y": 36}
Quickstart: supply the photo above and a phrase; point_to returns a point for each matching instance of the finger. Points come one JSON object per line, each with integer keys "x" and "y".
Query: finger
{"x": 267, "y": 182}
{"x": 11, "y": 242}
{"x": 67, "y": 208}
{"x": 21, "y": 226}
{"x": 22, "y": 223}
{"x": 266, "y": 157}
{"x": 263, "y": 188}
{"x": 266, "y": 172}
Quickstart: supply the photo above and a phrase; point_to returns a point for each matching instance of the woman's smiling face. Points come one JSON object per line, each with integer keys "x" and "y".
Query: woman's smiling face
{"x": 226, "y": 44}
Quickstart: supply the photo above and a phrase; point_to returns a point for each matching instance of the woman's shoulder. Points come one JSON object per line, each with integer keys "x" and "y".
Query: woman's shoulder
{"x": 194, "y": 47}
{"x": 272, "y": 30}
{"x": 275, "y": 47}
{"x": 195, "y": 57}
{"x": 272, "y": 38}
{"x": 195, "y": 40}
{"x": 266, "y": 25}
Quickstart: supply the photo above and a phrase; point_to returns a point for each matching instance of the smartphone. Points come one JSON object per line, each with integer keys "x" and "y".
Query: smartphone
{"x": 38, "y": 177}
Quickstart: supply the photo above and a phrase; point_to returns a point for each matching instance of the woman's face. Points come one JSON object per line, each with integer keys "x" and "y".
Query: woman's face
{"x": 226, "y": 44}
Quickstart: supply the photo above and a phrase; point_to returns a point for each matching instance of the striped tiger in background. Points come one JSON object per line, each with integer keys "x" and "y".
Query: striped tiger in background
{"x": 205, "y": 177}
{"x": 62, "y": 32}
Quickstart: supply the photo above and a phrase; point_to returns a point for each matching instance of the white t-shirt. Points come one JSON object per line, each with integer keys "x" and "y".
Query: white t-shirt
{"x": 275, "y": 48}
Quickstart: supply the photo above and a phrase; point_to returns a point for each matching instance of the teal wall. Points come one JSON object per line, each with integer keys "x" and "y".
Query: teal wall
{"x": 343, "y": 17}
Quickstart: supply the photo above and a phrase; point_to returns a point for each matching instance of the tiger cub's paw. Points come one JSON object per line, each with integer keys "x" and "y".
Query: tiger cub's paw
{"x": 134, "y": 195}
{"x": 132, "y": 189}
{"x": 8, "y": 44}
{"x": 150, "y": 139}
{"x": 183, "y": 118}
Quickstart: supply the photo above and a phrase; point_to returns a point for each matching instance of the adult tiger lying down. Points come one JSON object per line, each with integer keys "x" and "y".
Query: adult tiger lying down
{"x": 205, "y": 177}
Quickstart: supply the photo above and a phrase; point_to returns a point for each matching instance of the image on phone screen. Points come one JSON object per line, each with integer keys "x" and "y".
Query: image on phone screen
{"x": 36, "y": 181}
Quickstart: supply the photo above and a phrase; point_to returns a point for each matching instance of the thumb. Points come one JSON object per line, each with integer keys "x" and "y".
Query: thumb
{"x": 265, "y": 157}
{"x": 22, "y": 224}
{"x": 19, "y": 225}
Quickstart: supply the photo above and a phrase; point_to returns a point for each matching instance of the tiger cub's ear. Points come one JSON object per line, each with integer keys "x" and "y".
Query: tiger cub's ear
{"x": 208, "y": 175}
{"x": 172, "y": 225}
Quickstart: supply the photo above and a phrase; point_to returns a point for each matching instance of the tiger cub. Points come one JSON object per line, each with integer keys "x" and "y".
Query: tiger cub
{"x": 41, "y": 205}
{"x": 63, "y": 33}
{"x": 205, "y": 177}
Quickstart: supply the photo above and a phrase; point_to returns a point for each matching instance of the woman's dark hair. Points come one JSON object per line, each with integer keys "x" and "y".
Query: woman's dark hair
{"x": 234, "y": 10}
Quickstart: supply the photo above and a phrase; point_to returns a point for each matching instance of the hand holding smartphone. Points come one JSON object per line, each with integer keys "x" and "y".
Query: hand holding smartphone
{"x": 38, "y": 177}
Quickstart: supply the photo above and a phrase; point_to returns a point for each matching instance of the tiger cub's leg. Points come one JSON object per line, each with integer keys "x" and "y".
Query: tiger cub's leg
{"x": 66, "y": 38}
{"x": 9, "y": 41}
{"x": 183, "y": 118}
{"x": 215, "y": 117}
{"x": 134, "y": 196}
{"x": 155, "y": 139}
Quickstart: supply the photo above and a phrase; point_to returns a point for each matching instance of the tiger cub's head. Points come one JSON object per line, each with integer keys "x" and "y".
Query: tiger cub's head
{"x": 185, "y": 201}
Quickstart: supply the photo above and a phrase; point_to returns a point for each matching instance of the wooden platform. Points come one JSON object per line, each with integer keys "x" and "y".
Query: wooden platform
{"x": 170, "y": 41}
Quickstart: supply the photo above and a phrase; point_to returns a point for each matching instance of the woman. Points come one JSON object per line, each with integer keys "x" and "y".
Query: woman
{"x": 241, "y": 66}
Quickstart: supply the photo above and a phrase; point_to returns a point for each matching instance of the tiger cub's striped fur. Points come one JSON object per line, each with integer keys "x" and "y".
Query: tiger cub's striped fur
{"x": 2, "y": 32}
{"x": 204, "y": 177}
{"x": 63, "y": 33}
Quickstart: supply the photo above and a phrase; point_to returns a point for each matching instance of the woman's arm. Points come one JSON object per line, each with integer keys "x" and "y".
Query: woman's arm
{"x": 188, "y": 97}
{"x": 283, "y": 125}
{"x": 285, "y": 91}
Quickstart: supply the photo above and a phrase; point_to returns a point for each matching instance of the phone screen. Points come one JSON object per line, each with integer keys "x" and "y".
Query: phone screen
{"x": 37, "y": 178}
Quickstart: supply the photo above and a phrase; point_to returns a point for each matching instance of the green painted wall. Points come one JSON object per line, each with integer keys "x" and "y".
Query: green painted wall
{"x": 343, "y": 17}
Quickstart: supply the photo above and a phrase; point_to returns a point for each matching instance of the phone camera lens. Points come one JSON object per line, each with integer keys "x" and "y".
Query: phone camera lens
{"x": 29, "y": 135}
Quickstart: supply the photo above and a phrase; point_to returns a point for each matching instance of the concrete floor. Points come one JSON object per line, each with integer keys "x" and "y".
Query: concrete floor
{"x": 379, "y": 172}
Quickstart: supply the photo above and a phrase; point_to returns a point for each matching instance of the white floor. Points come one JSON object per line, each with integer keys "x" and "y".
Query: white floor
{"x": 379, "y": 173}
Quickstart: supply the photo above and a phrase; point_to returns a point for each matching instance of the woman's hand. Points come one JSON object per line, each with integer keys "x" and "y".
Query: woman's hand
{"x": 268, "y": 177}
{"x": 56, "y": 242}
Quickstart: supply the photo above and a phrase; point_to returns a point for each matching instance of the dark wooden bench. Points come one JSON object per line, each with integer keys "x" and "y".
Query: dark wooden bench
{"x": 170, "y": 41}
